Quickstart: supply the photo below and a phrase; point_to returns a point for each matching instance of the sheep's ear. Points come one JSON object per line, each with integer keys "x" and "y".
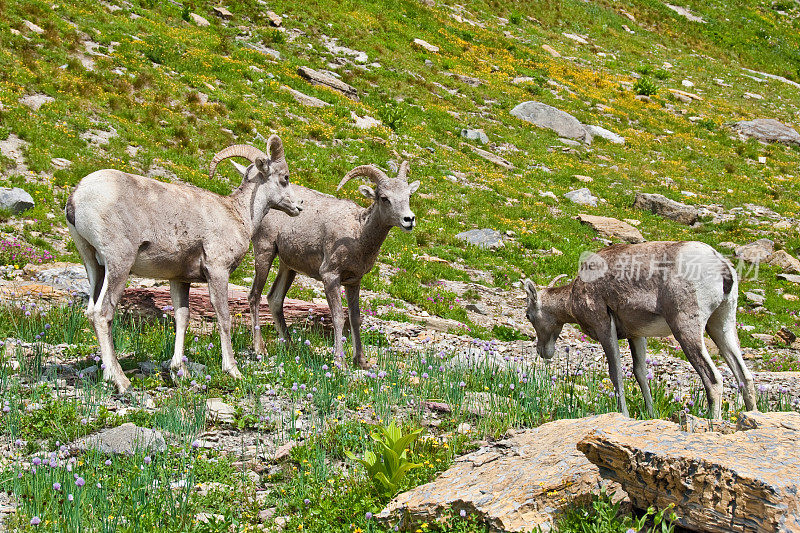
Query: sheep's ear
{"x": 241, "y": 168}
{"x": 262, "y": 165}
{"x": 413, "y": 186}
{"x": 530, "y": 288}
{"x": 367, "y": 191}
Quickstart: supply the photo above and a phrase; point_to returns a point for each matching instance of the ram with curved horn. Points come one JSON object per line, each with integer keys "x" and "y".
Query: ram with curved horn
{"x": 335, "y": 241}
{"x": 124, "y": 223}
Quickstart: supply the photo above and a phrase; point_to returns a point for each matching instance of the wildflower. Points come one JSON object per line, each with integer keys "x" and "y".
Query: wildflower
{"x": 36, "y": 461}
{"x": 463, "y": 513}
{"x": 70, "y": 497}
{"x": 147, "y": 460}
{"x": 35, "y": 521}
{"x": 368, "y": 516}
{"x": 308, "y": 342}
{"x": 108, "y": 462}
{"x": 195, "y": 444}
{"x": 462, "y": 384}
{"x": 80, "y": 482}
{"x": 307, "y": 501}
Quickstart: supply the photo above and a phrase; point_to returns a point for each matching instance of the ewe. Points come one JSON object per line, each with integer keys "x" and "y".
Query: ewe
{"x": 652, "y": 289}
{"x": 335, "y": 241}
{"x": 123, "y": 223}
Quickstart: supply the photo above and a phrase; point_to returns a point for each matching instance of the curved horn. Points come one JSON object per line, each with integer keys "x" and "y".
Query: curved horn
{"x": 403, "y": 172}
{"x": 368, "y": 171}
{"x": 555, "y": 280}
{"x": 251, "y": 153}
{"x": 275, "y": 147}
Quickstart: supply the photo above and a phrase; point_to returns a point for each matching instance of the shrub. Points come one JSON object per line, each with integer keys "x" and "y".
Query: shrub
{"x": 645, "y": 86}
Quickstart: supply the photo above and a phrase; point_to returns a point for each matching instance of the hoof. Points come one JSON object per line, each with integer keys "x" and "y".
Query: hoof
{"x": 234, "y": 372}
{"x": 123, "y": 384}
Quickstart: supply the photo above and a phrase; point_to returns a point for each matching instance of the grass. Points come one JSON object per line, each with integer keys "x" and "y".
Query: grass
{"x": 300, "y": 392}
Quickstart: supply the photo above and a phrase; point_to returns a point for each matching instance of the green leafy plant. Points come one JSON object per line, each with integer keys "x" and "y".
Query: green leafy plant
{"x": 392, "y": 115}
{"x": 387, "y": 468}
{"x": 645, "y": 86}
{"x": 602, "y": 515}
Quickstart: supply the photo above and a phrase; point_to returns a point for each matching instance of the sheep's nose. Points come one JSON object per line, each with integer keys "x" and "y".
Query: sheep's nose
{"x": 409, "y": 220}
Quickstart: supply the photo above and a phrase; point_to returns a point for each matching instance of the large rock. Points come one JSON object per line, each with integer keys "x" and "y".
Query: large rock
{"x": 513, "y": 485}
{"x": 746, "y": 481}
{"x": 759, "y": 251}
{"x": 319, "y": 78}
{"x": 767, "y": 130}
{"x": 611, "y": 227}
{"x": 546, "y": 116}
{"x": 482, "y": 238}
{"x": 661, "y": 205}
{"x": 15, "y": 200}
{"x": 126, "y": 439}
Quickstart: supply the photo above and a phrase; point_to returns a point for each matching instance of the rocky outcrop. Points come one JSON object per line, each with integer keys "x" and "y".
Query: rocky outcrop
{"x": 767, "y": 130}
{"x": 547, "y": 116}
{"x": 153, "y": 301}
{"x": 320, "y": 78}
{"x": 516, "y": 484}
{"x": 611, "y": 227}
{"x": 661, "y": 205}
{"x": 759, "y": 251}
{"x": 745, "y": 481}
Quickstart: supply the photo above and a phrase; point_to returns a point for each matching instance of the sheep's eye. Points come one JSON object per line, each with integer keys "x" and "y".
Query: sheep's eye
{"x": 385, "y": 199}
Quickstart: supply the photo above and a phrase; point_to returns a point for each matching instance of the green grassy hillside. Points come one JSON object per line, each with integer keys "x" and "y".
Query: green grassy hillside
{"x": 171, "y": 93}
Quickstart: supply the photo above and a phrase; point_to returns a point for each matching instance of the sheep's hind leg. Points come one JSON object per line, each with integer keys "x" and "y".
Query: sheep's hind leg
{"x": 102, "y": 317}
{"x": 275, "y": 297}
{"x": 179, "y": 291}
{"x": 638, "y": 350}
{"x": 354, "y": 313}
{"x": 333, "y": 289}
{"x": 690, "y": 336}
{"x": 610, "y": 343}
{"x": 721, "y": 328}
{"x": 94, "y": 270}
{"x": 263, "y": 264}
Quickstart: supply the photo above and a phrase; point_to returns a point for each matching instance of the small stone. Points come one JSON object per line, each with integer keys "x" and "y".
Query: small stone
{"x": 477, "y": 307}
{"x": 426, "y": 45}
{"x": 785, "y": 262}
{"x": 482, "y": 238}
{"x": 475, "y": 135}
{"x": 33, "y": 27}
{"x": 576, "y": 38}
{"x": 547, "y": 116}
{"x": 584, "y": 179}
{"x": 661, "y": 205}
{"x": 126, "y": 439}
{"x": 687, "y": 83}
{"x": 550, "y": 50}
{"x": 274, "y": 19}
{"x": 320, "y": 78}
{"x": 611, "y": 227}
{"x": 305, "y": 99}
{"x": 463, "y": 428}
{"x": 364, "y": 123}
{"x": 759, "y": 251}
{"x": 767, "y": 130}
{"x": 199, "y": 20}
{"x": 755, "y": 299}
{"x": 59, "y": 163}
{"x": 643, "y": 98}
{"x": 582, "y": 196}
{"x": 610, "y": 136}
{"x": 223, "y": 13}
{"x": 15, "y": 200}
{"x": 218, "y": 410}
{"x": 763, "y": 337}
{"x": 493, "y": 158}
{"x": 284, "y": 451}
{"x": 793, "y": 278}
{"x": 753, "y": 96}
{"x": 35, "y": 101}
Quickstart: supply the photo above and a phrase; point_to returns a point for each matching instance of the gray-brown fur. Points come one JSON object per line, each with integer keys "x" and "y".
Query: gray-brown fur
{"x": 682, "y": 288}
{"x": 123, "y": 223}
{"x": 333, "y": 240}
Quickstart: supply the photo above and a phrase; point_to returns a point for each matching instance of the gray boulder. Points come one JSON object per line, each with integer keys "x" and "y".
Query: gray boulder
{"x": 482, "y": 238}
{"x": 759, "y": 251}
{"x": 661, "y": 205}
{"x": 320, "y": 78}
{"x": 126, "y": 439}
{"x": 546, "y": 116}
{"x": 767, "y": 130}
{"x": 610, "y": 136}
{"x": 582, "y": 196}
{"x": 15, "y": 200}
{"x": 475, "y": 135}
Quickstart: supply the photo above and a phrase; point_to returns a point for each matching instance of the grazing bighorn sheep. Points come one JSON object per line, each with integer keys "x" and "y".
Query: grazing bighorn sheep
{"x": 123, "y": 223}
{"x": 644, "y": 290}
{"x": 335, "y": 241}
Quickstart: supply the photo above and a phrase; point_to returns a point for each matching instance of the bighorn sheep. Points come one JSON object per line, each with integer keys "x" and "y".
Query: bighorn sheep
{"x": 335, "y": 241}
{"x": 123, "y": 223}
{"x": 652, "y": 289}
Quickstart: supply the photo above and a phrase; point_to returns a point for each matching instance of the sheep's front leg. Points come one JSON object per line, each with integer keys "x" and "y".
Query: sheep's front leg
{"x": 638, "y": 350}
{"x": 354, "y": 313}
{"x": 610, "y": 343}
{"x": 689, "y": 335}
{"x": 333, "y": 289}
{"x": 218, "y": 293}
{"x": 179, "y": 291}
